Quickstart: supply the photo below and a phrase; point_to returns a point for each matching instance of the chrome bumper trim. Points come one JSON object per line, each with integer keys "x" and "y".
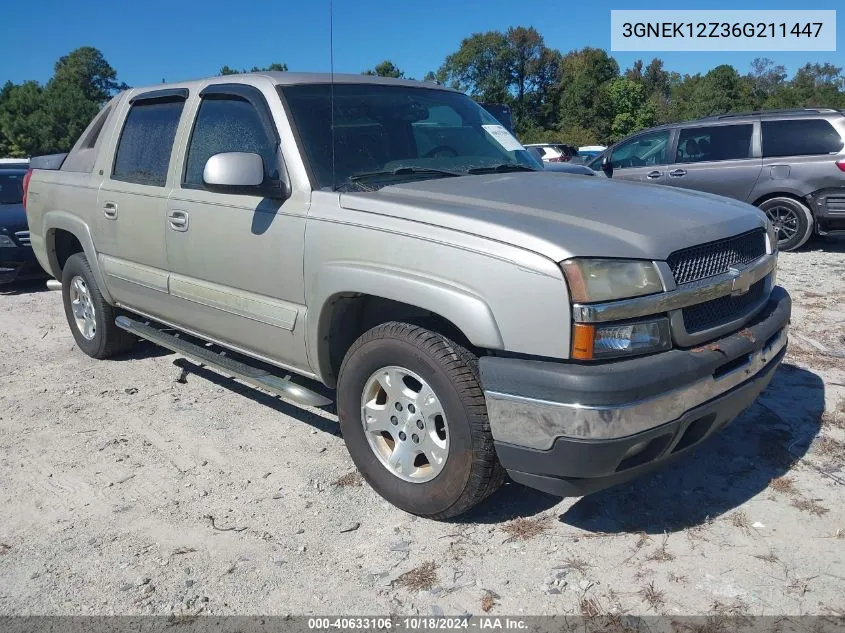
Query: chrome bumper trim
{"x": 538, "y": 423}
{"x": 685, "y": 295}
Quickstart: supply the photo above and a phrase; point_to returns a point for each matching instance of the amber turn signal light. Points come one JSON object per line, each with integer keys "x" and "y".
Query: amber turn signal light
{"x": 583, "y": 337}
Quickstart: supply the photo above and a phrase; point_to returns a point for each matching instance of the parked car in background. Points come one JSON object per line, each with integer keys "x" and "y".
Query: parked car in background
{"x": 567, "y": 168}
{"x": 470, "y": 314}
{"x": 588, "y": 152}
{"x": 502, "y": 114}
{"x": 14, "y": 162}
{"x": 551, "y": 152}
{"x": 17, "y": 260}
{"x": 790, "y": 163}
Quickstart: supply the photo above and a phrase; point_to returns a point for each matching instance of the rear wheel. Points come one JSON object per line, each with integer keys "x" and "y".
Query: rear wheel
{"x": 792, "y": 220}
{"x": 91, "y": 319}
{"x": 415, "y": 422}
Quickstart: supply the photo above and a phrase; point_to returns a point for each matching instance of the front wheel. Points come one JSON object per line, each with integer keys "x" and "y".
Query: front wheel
{"x": 792, "y": 220}
{"x": 414, "y": 419}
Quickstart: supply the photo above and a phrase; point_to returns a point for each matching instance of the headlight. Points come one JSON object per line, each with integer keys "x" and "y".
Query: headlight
{"x": 5, "y": 240}
{"x": 608, "y": 279}
{"x": 595, "y": 342}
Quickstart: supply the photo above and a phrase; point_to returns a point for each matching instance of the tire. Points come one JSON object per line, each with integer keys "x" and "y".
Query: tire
{"x": 793, "y": 221}
{"x": 91, "y": 319}
{"x": 470, "y": 471}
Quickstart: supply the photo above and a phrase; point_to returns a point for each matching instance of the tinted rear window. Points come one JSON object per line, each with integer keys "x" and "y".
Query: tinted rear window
{"x": 719, "y": 142}
{"x": 802, "y": 137}
{"x": 11, "y": 187}
{"x": 143, "y": 154}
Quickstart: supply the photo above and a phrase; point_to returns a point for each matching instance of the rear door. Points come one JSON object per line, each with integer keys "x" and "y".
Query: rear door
{"x": 799, "y": 156}
{"x": 641, "y": 158}
{"x": 132, "y": 202}
{"x": 718, "y": 159}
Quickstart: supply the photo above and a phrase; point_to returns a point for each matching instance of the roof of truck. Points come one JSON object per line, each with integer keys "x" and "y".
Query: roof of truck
{"x": 285, "y": 78}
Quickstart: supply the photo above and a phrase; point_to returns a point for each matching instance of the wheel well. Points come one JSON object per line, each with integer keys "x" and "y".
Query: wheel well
{"x": 352, "y": 315}
{"x": 769, "y": 196}
{"x": 65, "y": 244}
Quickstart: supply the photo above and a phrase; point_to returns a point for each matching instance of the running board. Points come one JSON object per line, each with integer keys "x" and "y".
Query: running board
{"x": 221, "y": 363}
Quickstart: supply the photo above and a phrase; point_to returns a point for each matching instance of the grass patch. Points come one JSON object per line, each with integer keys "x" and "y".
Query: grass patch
{"x": 784, "y": 485}
{"x": 420, "y": 578}
{"x": 833, "y": 450}
{"x": 661, "y": 554}
{"x": 653, "y": 596}
{"x": 349, "y": 480}
{"x": 577, "y": 564}
{"x": 488, "y": 601}
{"x": 810, "y": 506}
{"x": 740, "y": 519}
{"x": 522, "y": 529}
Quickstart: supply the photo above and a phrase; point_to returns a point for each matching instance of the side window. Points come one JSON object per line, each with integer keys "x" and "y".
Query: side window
{"x": 800, "y": 137}
{"x": 719, "y": 142}
{"x": 228, "y": 124}
{"x": 96, "y": 128}
{"x": 642, "y": 151}
{"x": 143, "y": 152}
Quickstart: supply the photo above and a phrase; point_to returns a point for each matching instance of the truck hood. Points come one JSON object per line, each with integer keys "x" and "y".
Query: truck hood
{"x": 562, "y": 215}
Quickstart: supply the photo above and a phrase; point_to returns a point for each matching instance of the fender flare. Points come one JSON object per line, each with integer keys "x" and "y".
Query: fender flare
{"x": 65, "y": 221}
{"x": 466, "y": 310}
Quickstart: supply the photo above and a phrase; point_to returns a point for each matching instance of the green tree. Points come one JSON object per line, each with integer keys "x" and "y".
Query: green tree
{"x": 766, "y": 79}
{"x": 480, "y": 67}
{"x": 39, "y": 120}
{"x": 385, "y": 69}
{"x": 583, "y": 102}
{"x": 632, "y": 110}
{"x": 820, "y": 85}
{"x": 24, "y": 127}
{"x": 88, "y": 71}
{"x": 515, "y": 68}
{"x": 275, "y": 66}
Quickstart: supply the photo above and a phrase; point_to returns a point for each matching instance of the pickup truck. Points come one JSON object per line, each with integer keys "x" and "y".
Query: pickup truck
{"x": 388, "y": 245}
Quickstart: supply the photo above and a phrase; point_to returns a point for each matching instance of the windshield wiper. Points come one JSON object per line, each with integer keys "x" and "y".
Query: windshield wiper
{"x": 403, "y": 171}
{"x": 501, "y": 168}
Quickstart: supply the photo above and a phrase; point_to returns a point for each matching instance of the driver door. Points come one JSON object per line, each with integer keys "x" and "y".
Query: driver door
{"x": 643, "y": 158}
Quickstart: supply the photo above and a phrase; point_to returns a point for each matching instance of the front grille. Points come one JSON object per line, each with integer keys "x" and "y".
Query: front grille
{"x": 709, "y": 314}
{"x": 835, "y": 204}
{"x": 23, "y": 237}
{"x": 715, "y": 258}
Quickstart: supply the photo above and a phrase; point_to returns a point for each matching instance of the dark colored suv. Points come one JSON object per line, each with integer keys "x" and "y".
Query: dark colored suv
{"x": 17, "y": 261}
{"x": 790, "y": 163}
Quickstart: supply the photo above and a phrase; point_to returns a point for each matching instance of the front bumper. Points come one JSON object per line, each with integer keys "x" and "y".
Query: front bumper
{"x": 18, "y": 263}
{"x": 572, "y": 429}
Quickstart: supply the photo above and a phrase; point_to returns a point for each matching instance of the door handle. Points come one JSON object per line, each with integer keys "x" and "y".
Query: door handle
{"x": 110, "y": 210}
{"x": 653, "y": 175}
{"x": 677, "y": 173}
{"x": 178, "y": 220}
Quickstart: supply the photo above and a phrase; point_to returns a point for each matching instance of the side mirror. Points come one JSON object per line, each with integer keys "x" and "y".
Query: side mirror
{"x": 234, "y": 169}
{"x": 607, "y": 165}
{"x": 241, "y": 172}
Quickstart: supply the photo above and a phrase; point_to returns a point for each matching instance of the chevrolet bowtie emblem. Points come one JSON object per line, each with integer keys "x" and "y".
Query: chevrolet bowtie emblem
{"x": 742, "y": 279}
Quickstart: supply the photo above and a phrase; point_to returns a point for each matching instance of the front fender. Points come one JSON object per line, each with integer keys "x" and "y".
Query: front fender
{"x": 45, "y": 249}
{"x": 467, "y": 311}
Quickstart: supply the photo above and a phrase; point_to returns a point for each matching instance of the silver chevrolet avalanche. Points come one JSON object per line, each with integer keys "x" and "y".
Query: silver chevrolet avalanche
{"x": 472, "y": 315}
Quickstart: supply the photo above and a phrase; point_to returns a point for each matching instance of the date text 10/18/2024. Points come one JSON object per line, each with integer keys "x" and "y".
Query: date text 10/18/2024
{"x": 419, "y": 623}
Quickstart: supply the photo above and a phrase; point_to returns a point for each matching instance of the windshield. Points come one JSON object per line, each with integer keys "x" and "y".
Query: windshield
{"x": 386, "y": 134}
{"x": 11, "y": 187}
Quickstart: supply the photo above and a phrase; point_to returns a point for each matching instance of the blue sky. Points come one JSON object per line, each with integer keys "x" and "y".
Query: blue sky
{"x": 183, "y": 39}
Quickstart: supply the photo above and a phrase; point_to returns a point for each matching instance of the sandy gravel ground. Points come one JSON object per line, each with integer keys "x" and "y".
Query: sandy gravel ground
{"x": 127, "y": 491}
